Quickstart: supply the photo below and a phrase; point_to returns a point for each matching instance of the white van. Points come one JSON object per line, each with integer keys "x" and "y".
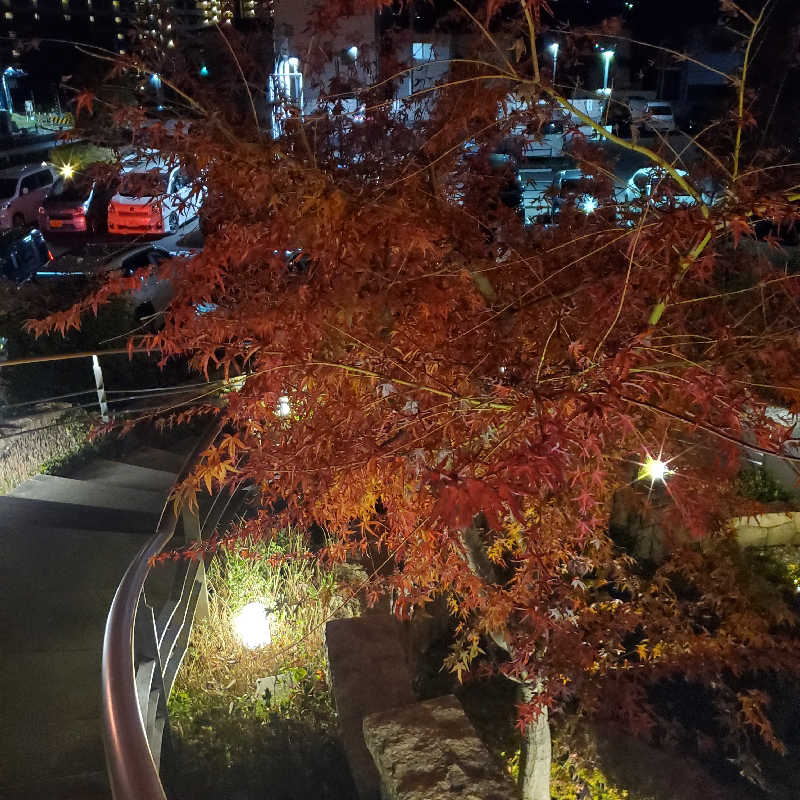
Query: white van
{"x": 657, "y": 115}
{"x": 155, "y": 196}
{"x": 22, "y": 191}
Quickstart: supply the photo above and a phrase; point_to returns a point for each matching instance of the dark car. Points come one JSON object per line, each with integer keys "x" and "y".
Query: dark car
{"x": 23, "y": 254}
{"x": 77, "y": 205}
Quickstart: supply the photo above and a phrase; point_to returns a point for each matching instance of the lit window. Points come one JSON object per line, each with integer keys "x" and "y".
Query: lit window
{"x": 120, "y": 36}
{"x": 16, "y": 53}
{"x": 121, "y": 51}
{"x": 170, "y": 43}
{"x": 422, "y": 51}
{"x": 115, "y": 3}
{"x": 36, "y": 16}
{"x": 67, "y": 17}
{"x": 9, "y": 15}
{"x": 118, "y": 20}
{"x": 91, "y": 18}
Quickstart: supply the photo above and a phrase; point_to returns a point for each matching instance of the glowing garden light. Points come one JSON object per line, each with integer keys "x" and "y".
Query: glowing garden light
{"x": 66, "y": 171}
{"x": 655, "y": 470}
{"x": 251, "y": 624}
{"x": 284, "y": 407}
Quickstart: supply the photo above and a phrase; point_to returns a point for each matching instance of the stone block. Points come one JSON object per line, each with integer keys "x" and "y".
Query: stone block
{"x": 430, "y": 750}
{"x": 369, "y": 674}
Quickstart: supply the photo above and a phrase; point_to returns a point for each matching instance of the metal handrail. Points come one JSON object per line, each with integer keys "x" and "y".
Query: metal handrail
{"x": 131, "y": 767}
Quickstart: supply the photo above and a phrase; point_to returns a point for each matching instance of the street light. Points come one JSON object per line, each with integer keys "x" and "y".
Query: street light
{"x": 607, "y": 55}
{"x": 554, "y": 50}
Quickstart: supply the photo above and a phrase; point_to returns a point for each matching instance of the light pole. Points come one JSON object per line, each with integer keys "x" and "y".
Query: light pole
{"x": 554, "y": 50}
{"x": 607, "y": 55}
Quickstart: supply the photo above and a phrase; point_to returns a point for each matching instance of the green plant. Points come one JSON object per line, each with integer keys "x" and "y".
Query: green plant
{"x": 230, "y": 737}
{"x": 757, "y": 484}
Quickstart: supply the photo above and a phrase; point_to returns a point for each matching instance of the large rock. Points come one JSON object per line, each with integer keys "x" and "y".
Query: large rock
{"x": 369, "y": 673}
{"x": 430, "y": 750}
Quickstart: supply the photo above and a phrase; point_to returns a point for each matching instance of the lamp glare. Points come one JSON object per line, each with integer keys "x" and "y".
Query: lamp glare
{"x": 251, "y": 625}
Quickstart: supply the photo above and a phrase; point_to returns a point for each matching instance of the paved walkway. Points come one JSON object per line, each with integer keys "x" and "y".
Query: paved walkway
{"x": 64, "y": 545}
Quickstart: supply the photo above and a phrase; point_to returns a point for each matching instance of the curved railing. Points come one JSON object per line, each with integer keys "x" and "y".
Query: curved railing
{"x": 142, "y": 651}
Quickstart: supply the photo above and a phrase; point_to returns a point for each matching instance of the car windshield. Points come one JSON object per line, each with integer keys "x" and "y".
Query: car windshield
{"x": 143, "y": 184}
{"x": 76, "y": 190}
{"x": 8, "y": 187}
{"x": 660, "y": 111}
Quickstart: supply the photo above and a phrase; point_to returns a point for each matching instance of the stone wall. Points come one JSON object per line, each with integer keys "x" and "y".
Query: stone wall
{"x": 430, "y": 750}
{"x": 398, "y": 748}
{"x": 768, "y": 530}
{"x": 29, "y": 443}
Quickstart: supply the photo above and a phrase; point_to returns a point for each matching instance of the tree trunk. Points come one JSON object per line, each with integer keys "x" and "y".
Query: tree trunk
{"x": 534, "y": 768}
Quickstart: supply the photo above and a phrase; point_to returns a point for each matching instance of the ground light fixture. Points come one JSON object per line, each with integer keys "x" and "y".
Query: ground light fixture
{"x": 66, "y": 171}
{"x": 251, "y": 624}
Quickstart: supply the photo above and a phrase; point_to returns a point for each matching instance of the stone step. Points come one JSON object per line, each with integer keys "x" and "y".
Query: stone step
{"x": 156, "y": 458}
{"x": 52, "y": 621}
{"x": 53, "y": 489}
{"x": 83, "y": 786}
{"x": 35, "y": 755}
{"x": 25, "y": 514}
{"x": 51, "y": 687}
{"x": 129, "y": 476}
{"x": 35, "y": 558}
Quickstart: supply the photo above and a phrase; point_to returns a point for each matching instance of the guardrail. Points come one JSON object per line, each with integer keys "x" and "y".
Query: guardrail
{"x": 143, "y": 650}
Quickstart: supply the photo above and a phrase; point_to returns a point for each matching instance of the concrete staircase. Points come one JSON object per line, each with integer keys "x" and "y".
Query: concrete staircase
{"x": 64, "y": 545}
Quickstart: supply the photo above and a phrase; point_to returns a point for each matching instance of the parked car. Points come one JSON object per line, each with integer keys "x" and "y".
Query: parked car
{"x": 657, "y": 116}
{"x": 591, "y": 195}
{"x": 154, "y": 196}
{"x": 655, "y": 185}
{"x": 23, "y": 254}
{"x": 153, "y": 293}
{"x": 22, "y": 191}
{"x": 78, "y": 204}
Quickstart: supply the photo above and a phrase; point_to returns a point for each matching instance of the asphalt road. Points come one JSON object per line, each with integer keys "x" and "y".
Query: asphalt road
{"x": 77, "y": 251}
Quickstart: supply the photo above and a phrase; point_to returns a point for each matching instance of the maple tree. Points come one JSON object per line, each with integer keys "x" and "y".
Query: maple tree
{"x": 477, "y": 393}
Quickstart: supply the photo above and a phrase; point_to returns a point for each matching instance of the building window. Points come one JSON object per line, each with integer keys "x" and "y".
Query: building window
{"x": 36, "y": 16}
{"x": 120, "y": 36}
{"x": 285, "y": 91}
{"x": 422, "y": 51}
{"x": 91, "y": 17}
{"x": 67, "y": 17}
{"x": 118, "y": 20}
{"x": 8, "y": 15}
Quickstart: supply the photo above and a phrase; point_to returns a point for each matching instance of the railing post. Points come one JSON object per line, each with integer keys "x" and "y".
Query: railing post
{"x": 193, "y": 533}
{"x": 101, "y": 389}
